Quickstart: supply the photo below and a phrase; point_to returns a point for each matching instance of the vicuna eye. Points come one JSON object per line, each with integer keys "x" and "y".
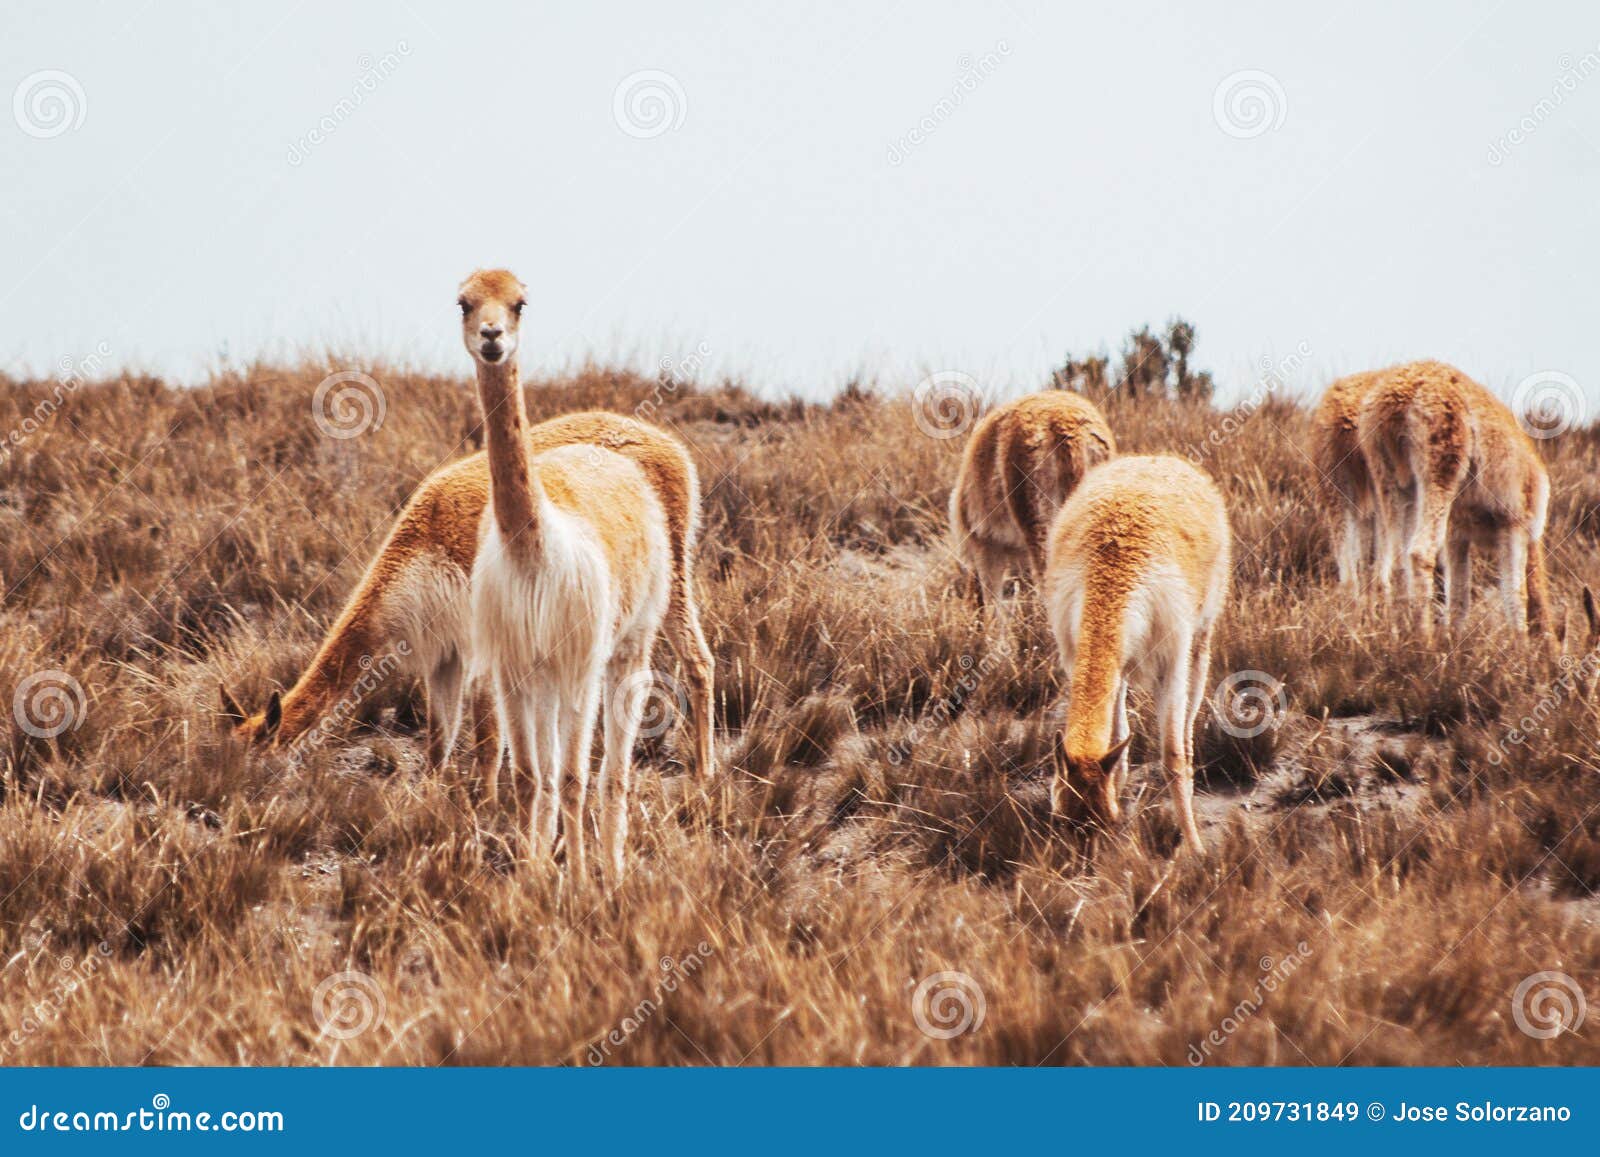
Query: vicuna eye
{"x": 465, "y": 308}
{"x": 517, "y": 308}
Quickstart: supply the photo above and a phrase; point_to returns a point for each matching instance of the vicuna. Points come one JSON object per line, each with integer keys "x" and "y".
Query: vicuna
{"x": 1342, "y": 476}
{"x": 1452, "y": 469}
{"x": 1135, "y": 578}
{"x": 568, "y": 589}
{"x": 1019, "y": 466}
{"x": 416, "y": 590}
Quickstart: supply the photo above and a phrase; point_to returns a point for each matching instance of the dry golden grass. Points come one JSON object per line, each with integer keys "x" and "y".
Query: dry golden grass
{"x": 1382, "y": 869}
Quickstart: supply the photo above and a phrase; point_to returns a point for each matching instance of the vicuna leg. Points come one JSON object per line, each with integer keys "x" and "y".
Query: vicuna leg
{"x": 1408, "y": 504}
{"x": 627, "y": 688}
{"x": 578, "y": 717}
{"x": 1199, "y": 681}
{"x": 1537, "y": 583}
{"x": 485, "y": 746}
{"x": 1176, "y": 741}
{"x": 444, "y": 710}
{"x": 1389, "y": 514}
{"x": 990, "y": 565}
{"x": 972, "y": 589}
{"x": 1591, "y": 642}
{"x": 544, "y": 805}
{"x": 1513, "y": 570}
{"x": 1348, "y": 556}
{"x": 694, "y": 653}
{"x": 515, "y": 715}
{"x": 1026, "y": 501}
{"x": 1458, "y": 576}
{"x": 1427, "y": 540}
{"x": 1199, "y": 678}
{"x": 1119, "y": 732}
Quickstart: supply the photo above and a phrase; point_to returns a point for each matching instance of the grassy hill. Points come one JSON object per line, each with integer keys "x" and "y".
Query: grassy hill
{"x": 874, "y": 878}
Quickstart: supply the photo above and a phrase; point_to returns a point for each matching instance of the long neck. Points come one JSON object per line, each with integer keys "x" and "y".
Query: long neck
{"x": 505, "y": 422}
{"x": 1096, "y": 672}
{"x": 328, "y": 678}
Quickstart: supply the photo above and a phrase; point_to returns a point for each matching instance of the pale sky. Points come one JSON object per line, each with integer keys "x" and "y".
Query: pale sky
{"x": 806, "y": 192}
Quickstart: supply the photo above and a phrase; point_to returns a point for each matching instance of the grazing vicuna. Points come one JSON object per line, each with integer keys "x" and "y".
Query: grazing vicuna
{"x": 1504, "y": 507}
{"x": 1019, "y": 466}
{"x": 1135, "y": 578}
{"x": 1342, "y": 475}
{"x": 1451, "y": 468}
{"x": 569, "y": 587}
{"x": 415, "y": 592}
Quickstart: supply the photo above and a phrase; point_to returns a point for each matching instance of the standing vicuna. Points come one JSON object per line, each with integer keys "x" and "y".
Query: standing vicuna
{"x": 1019, "y": 466}
{"x": 415, "y": 593}
{"x": 1136, "y": 575}
{"x": 569, "y": 588}
{"x": 1451, "y": 469}
{"x": 1342, "y": 475}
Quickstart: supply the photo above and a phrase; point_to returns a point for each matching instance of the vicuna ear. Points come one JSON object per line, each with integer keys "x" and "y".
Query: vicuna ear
{"x": 1108, "y": 761}
{"x": 231, "y": 711}
{"x": 274, "y": 716}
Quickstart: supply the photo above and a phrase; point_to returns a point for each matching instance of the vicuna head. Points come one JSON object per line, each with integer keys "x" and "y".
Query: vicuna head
{"x": 1085, "y": 787}
{"x": 258, "y": 730}
{"x": 491, "y": 304}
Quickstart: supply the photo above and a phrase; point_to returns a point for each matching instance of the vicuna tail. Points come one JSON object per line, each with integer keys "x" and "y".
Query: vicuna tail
{"x": 1033, "y": 496}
